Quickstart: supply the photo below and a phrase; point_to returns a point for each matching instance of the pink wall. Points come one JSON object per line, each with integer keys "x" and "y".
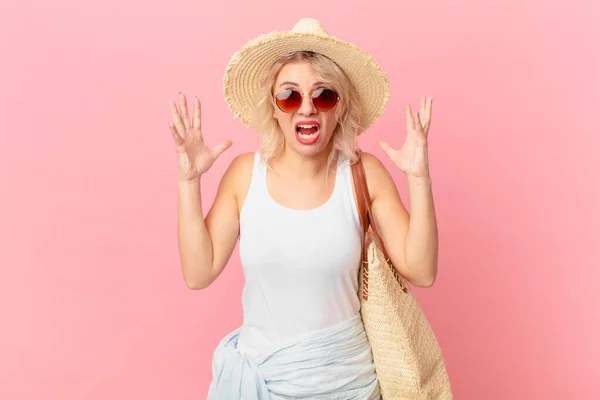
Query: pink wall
{"x": 92, "y": 301}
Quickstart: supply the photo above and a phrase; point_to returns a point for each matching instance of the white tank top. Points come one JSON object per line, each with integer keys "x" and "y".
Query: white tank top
{"x": 300, "y": 266}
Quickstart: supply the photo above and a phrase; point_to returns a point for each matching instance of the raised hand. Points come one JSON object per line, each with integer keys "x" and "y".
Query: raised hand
{"x": 194, "y": 156}
{"x": 412, "y": 158}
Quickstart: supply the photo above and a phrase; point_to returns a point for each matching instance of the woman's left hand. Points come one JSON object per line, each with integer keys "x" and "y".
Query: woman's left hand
{"x": 412, "y": 158}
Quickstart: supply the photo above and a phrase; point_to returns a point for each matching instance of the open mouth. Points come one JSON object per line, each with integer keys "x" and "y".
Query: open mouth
{"x": 307, "y": 133}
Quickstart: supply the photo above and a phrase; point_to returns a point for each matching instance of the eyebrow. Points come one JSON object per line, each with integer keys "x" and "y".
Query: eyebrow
{"x": 295, "y": 84}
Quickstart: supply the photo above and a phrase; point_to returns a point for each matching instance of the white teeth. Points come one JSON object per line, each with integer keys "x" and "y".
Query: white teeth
{"x": 307, "y": 136}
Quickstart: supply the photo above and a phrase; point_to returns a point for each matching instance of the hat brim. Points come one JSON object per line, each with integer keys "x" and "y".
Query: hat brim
{"x": 247, "y": 68}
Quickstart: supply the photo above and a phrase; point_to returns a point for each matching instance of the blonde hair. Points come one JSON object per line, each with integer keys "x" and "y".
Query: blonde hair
{"x": 348, "y": 111}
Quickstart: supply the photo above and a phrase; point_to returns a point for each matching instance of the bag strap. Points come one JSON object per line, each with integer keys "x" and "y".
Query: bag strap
{"x": 364, "y": 206}
{"x": 363, "y": 199}
{"x": 360, "y": 200}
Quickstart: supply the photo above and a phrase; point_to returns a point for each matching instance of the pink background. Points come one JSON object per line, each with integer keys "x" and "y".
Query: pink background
{"x": 92, "y": 301}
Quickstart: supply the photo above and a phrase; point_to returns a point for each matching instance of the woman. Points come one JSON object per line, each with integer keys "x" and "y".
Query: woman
{"x": 293, "y": 207}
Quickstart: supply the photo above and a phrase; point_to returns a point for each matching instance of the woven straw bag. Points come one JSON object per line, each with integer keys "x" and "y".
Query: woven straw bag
{"x": 408, "y": 359}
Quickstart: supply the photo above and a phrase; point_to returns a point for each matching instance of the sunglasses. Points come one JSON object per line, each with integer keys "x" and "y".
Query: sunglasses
{"x": 290, "y": 100}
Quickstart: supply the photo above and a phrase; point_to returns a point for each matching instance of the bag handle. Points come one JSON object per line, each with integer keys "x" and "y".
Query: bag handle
{"x": 364, "y": 207}
{"x": 363, "y": 199}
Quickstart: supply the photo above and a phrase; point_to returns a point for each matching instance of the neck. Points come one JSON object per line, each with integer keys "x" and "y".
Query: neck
{"x": 302, "y": 167}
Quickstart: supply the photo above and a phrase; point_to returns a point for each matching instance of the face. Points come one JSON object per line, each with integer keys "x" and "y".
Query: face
{"x": 307, "y": 130}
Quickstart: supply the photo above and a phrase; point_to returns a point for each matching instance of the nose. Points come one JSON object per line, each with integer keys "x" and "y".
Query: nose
{"x": 307, "y": 108}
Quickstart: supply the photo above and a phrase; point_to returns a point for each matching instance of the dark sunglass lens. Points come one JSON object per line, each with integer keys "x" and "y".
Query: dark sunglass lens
{"x": 288, "y": 100}
{"x": 325, "y": 99}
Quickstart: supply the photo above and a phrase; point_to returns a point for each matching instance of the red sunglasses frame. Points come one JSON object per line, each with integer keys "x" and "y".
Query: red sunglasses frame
{"x": 337, "y": 100}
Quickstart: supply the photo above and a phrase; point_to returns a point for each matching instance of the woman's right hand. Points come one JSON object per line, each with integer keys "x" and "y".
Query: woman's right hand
{"x": 194, "y": 156}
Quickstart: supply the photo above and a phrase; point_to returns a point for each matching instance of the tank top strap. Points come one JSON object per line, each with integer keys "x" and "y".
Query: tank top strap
{"x": 259, "y": 179}
{"x": 256, "y": 195}
{"x": 260, "y": 168}
{"x": 346, "y": 183}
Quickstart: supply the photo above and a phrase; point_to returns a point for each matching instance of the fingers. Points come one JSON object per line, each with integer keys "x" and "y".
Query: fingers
{"x": 177, "y": 121}
{"x": 197, "y": 123}
{"x": 428, "y": 111}
{"x": 421, "y": 134}
{"x": 425, "y": 114}
{"x": 385, "y": 146}
{"x": 410, "y": 125}
{"x": 425, "y": 105}
{"x": 220, "y": 148}
{"x": 176, "y": 136}
{"x": 184, "y": 111}
{"x": 418, "y": 124}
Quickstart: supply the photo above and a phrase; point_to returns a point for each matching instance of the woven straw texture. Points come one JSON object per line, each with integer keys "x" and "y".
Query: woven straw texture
{"x": 408, "y": 359}
{"x": 248, "y": 66}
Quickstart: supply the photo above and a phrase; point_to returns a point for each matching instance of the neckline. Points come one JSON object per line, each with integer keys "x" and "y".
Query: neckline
{"x": 320, "y": 207}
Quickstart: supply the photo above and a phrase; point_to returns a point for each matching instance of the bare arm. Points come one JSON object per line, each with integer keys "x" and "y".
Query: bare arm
{"x": 422, "y": 237}
{"x": 196, "y": 249}
{"x": 411, "y": 240}
{"x": 205, "y": 245}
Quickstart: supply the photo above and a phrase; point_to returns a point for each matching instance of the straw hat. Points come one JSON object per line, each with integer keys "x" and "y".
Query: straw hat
{"x": 248, "y": 66}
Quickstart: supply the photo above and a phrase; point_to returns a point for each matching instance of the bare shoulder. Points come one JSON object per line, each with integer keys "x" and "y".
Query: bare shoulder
{"x": 372, "y": 163}
{"x": 378, "y": 177}
{"x": 238, "y": 175}
{"x": 241, "y": 164}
